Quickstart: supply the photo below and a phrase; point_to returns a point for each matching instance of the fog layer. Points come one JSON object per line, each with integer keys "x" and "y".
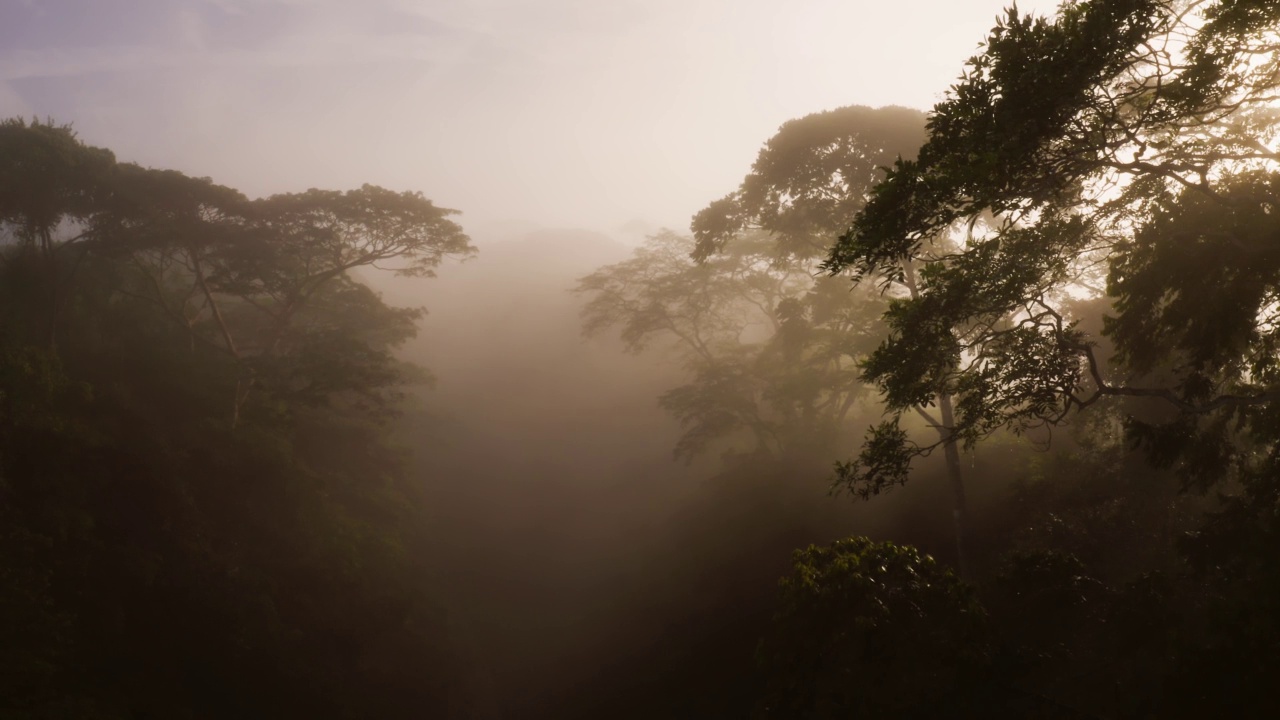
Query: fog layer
{"x": 585, "y": 570}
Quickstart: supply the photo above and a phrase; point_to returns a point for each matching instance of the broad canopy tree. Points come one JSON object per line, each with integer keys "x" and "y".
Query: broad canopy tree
{"x": 772, "y": 354}
{"x": 266, "y": 281}
{"x": 259, "y": 280}
{"x": 810, "y": 180}
{"x": 772, "y": 347}
{"x": 1125, "y": 141}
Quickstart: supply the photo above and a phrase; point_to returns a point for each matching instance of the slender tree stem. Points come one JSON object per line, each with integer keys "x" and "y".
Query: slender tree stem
{"x": 956, "y": 478}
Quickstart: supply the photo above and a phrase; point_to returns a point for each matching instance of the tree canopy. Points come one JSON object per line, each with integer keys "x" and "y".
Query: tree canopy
{"x": 1125, "y": 141}
{"x": 773, "y": 349}
{"x": 810, "y": 179}
{"x": 201, "y": 511}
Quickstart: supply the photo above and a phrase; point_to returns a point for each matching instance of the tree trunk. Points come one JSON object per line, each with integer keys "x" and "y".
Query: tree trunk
{"x": 243, "y": 384}
{"x": 956, "y": 477}
{"x": 50, "y": 261}
{"x": 952, "y": 453}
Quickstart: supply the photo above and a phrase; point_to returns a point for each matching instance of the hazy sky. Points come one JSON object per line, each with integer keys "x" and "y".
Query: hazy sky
{"x": 577, "y": 113}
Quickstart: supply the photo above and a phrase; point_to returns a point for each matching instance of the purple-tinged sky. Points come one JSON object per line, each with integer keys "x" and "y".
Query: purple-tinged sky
{"x": 563, "y": 113}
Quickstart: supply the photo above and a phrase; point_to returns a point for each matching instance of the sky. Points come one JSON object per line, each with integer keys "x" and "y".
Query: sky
{"x": 520, "y": 113}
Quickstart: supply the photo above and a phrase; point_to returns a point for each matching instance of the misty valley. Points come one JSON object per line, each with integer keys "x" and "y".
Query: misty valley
{"x": 965, "y": 413}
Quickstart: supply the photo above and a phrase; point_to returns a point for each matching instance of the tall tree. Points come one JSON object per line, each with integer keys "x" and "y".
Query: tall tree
{"x": 808, "y": 183}
{"x": 150, "y": 545}
{"x": 1130, "y": 138}
{"x": 773, "y": 350}
{"x": 810, "y": 179}
{"x": 772, "y": 354}
{"x": 256, "y": 271}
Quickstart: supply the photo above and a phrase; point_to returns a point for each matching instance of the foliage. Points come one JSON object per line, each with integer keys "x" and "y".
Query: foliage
{"x": 874, "y": 630}
{"x": 49, "y": 178}
{"x": 810, "y": 180}
{"x": 772, "y": 349}
{"x": 1130, "y": 135}
{"x": 1093, "y": 498}
{"x": 1128, "y": 141}
{"x": 176, "y": 545}
{"x": 771, "y": 352}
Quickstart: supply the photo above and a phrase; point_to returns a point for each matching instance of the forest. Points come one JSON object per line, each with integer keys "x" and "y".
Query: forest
{"x": 966, "y": 413}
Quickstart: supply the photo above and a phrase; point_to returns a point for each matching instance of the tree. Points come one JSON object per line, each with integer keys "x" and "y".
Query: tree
{"x": 257, "y": 271}
{"x": 150, "y": 545}
{"x": 1125, "y": 137}
{"x": 768, "y": 350}
{"x": 773, "y": 350}
{"x": 808, "y": 183}
{"x": 810, "y": 179}
{"x": 50, "y": 185}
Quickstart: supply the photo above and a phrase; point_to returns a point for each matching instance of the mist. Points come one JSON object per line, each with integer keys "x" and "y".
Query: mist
{"x": 588, "y": 571}
{"x": 527, "y": 361}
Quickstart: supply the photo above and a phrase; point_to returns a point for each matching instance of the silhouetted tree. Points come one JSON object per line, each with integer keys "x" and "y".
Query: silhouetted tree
{"x": 773, "y": 350}
{"x": 254, "y": 272}
{"x": 51, "y": 185}
{"x": 1099, "y": 140}
{"x": 159, "y": 560}
{"x": 772, "y": 353}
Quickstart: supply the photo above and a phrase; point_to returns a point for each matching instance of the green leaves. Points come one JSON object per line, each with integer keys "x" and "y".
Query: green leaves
{"x": 1199, "y": 280}
{"x": 1132, "y": 136}
{"x": 867, "y": 629}
{"x": 885, "y": 462}
{"x": 1007, "y": 139}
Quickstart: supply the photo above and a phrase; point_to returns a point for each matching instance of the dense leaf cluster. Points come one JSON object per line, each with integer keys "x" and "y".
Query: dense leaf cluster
{"x": 1125, "y": 141}
{"x": 869, "y": 629}
{"x": 1124, "y": 138}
